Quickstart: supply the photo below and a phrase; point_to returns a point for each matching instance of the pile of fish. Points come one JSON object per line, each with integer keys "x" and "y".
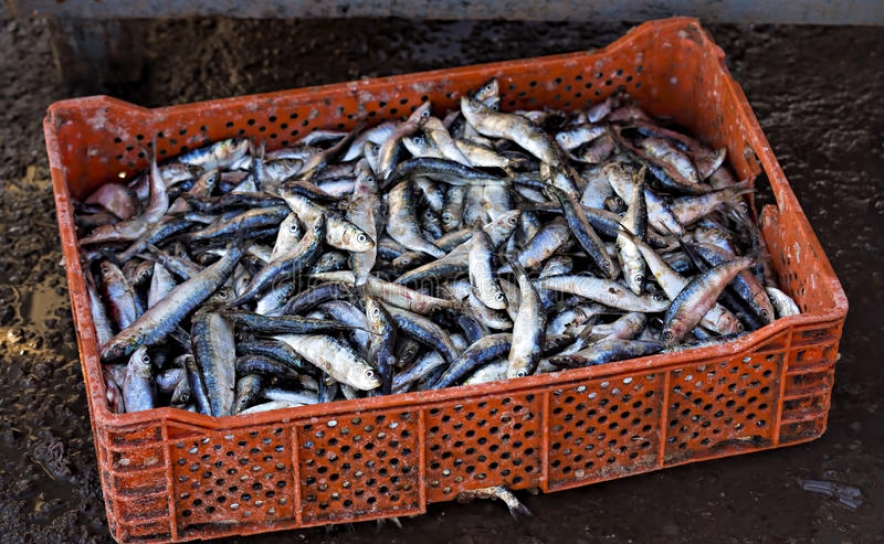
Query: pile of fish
{"x": 418, "y": 254}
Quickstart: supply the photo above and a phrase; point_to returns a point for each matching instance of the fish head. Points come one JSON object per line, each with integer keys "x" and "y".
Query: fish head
{"x": 374, "y": 311}
{"x": 113, "y": 393}
{"x": 511, "y": 218}
{"x": 221, "y": 296}
{"x": 765, "y": 308}
{"x": 119, "y": 348}
{"x": 140, "y": 357}
{"x": 488, "y": 91}
{"x": 727, "y": 323}
{"x": 471, "y": 107}
{"x": 505, "y": 225}
{"x": 232, "y": 149}
{"x": 317, "y": 228}
{"x": 422, "y": 112}
{"x": 291, "y": 226}
{"x": 519, "y": 371}
{"x": 674, "y": 332}
{"x": 636, "y": 283}
{"x": 355, "y": 239}
{"x": 364, "y": 378}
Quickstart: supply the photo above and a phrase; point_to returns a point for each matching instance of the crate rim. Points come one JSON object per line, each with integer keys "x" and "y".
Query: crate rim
{"x": 381, "y": 81}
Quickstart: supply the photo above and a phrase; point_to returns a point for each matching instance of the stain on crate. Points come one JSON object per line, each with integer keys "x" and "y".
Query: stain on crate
{"x": 794, "y": 432}
{"x": 482, "y": 443}
{"x": 233, "y": 477}
{"x": 603, "y": 429}
{"x": 726, "y": 406}
{"x": 356, "y": 467}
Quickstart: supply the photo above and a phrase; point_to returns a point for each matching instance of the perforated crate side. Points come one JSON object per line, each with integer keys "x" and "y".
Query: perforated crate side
{"x": 604, "y": 428}
{"x": 804, "y": 272}
{"x": 484, "y": 441}
{"x": 135, "y": 483}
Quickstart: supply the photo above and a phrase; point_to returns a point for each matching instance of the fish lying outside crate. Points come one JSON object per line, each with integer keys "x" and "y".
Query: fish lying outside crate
{"x": 172, "y": 475}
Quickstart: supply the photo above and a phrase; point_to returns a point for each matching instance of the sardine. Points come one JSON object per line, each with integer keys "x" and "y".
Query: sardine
{"x": 383, "y": 342}
{"x": 403, "y": 226}
{"x": 608, "y": 292}
{"x": 214, "y": 349}
{"x": 153, "y": 325}
{"x": 335, "y": 358}
{"x": 698, "y": 297}
{"x": 484, "y": 350}
{"x": 138, "y": 387}
{"x": 248, "y": 389}
{"x": 301, "y": 255}
{"x": 481, "y": 267}
{"x": 529, "y": 328}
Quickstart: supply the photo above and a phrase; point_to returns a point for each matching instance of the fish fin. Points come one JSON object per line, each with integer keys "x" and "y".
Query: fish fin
{"x": 638, "y": 177}
{"x": 520, "y": 510}
{"x": 698, "y": 262}
{"x": 181, "y": 336}
{"x": 585, "y": 333}
{"x": 755, "y": 254}
{"x": 515, "y": 267}
{"x": 152, "y": 250}
{"x": 631, "y": 235}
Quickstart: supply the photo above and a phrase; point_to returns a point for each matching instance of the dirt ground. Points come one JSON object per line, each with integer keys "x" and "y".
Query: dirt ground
{"x": 817, "y": 92}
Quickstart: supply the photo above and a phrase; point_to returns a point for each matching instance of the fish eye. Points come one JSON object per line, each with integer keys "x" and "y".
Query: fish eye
{"x": 293, "y": 228}
{"x": 369, "y": 373}
{"x": 222, "y": 294}
{"x": 639, "y": 278}
{"x": 362, "y": 238}
{"x": 447, "y": 218}
{"x": 425, "y": 113}
{"x": 668, "y": 336}
{"x": 658, "y": 297}
{"x": 765, "y": 314}
{"x": 499, "y": 296}
{"x": 513, "y": 221}
{"x": 145, "y": 358}
{"x": 375, "y": 312}
{"x": 521, "y": 374}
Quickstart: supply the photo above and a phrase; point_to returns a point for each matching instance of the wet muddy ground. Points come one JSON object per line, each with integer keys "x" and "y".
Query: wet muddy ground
{"x": 817, "y": 92}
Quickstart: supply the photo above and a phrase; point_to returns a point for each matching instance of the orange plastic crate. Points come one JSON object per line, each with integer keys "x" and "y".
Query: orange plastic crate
{"x": 170, "y": 475}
